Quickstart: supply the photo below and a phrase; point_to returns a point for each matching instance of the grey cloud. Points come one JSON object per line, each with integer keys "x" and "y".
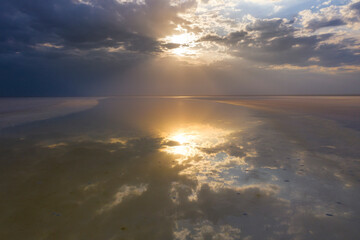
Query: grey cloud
{"x": 102, "y": 24}
{"x": 331, "y": 16}
{"x": 170, "y": 45}
{"x": 211, "y": 38}
{"x": 229, "y": 148}
{"x": 242, "y": 205}
{"x": 99, "y": 24}
{"x": 317, "y": 24}
{"x": 236, "y": 36}
{"x": 73, "y": 43}
{"x": 356, "y": 7}
{"x": 230, "y": 39}
{"x": 277, "y": 42}
{"x": 269, "y": 28}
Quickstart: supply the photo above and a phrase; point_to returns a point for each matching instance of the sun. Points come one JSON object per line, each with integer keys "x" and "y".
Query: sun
{"x": 186, "y": 42}
{"x": 184, "y": 38}
{"x": 182, "y": 138}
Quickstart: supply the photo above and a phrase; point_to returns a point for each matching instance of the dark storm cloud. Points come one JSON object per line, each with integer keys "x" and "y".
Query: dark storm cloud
{"x": 86, "y": 26}
{"x": 73, "y": 41}
{"x": 276, "y": 42}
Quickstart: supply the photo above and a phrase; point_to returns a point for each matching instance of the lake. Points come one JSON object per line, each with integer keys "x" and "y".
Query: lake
{"x": 183, "y": 167}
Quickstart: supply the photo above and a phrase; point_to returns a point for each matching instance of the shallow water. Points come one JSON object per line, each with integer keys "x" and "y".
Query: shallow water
{"x": 185, "y": 168}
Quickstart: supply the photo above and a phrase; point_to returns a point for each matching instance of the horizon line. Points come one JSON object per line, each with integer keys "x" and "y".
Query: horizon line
{"x": 187, "y": 95}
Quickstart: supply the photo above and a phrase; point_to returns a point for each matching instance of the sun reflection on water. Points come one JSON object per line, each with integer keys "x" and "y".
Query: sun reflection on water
{"x": 190, "y": 140}
{"x": 186, "y": 144}
{"x": 191, "y": 148}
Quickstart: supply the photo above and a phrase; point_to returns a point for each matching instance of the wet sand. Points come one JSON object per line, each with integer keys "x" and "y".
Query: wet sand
{"x": 16, "y": 111}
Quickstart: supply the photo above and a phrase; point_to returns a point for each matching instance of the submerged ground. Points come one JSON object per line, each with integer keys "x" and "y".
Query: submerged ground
{"x": 180, "y": 168}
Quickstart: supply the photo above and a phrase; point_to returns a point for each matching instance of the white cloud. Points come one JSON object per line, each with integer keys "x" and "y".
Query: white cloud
{"x": 126, "y": 191}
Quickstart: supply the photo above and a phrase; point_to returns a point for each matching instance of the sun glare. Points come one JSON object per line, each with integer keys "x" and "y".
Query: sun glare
{"x": 190, "y": 140}
{"x": 184, "y": 38}
{"x": 183, "y": 51}
{"x": 182, "y": 138}
{"x": 186, "y": 42}
{"x": 186, "y": 145}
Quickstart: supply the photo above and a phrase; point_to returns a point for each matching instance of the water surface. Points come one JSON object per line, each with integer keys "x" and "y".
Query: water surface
{"x": 183, "y": 168}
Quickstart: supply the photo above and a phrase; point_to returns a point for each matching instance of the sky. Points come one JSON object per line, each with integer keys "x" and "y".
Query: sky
{"x": 179, "y": 47}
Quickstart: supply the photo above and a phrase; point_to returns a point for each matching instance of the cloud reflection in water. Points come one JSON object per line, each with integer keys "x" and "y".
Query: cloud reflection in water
{"x": 190, "y": 169}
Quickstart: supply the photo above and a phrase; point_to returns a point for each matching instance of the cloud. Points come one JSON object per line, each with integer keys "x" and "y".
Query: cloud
{"x": 279, "y": 42}
{"x": 76, "y": 42}
{"x": 230, "y": 39}
{"x": 228, "y": 148}
{"x": 90, "y": 24}
{"x": 125, "y": 192}
{"x": 269, "y": 28}
{"x": 356, "y": 7}
{"x": 82, "y": 47}
{"x": 317, "y": 24}
{"x": 330, "y": 16}
{"x": 296, "y": 41}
